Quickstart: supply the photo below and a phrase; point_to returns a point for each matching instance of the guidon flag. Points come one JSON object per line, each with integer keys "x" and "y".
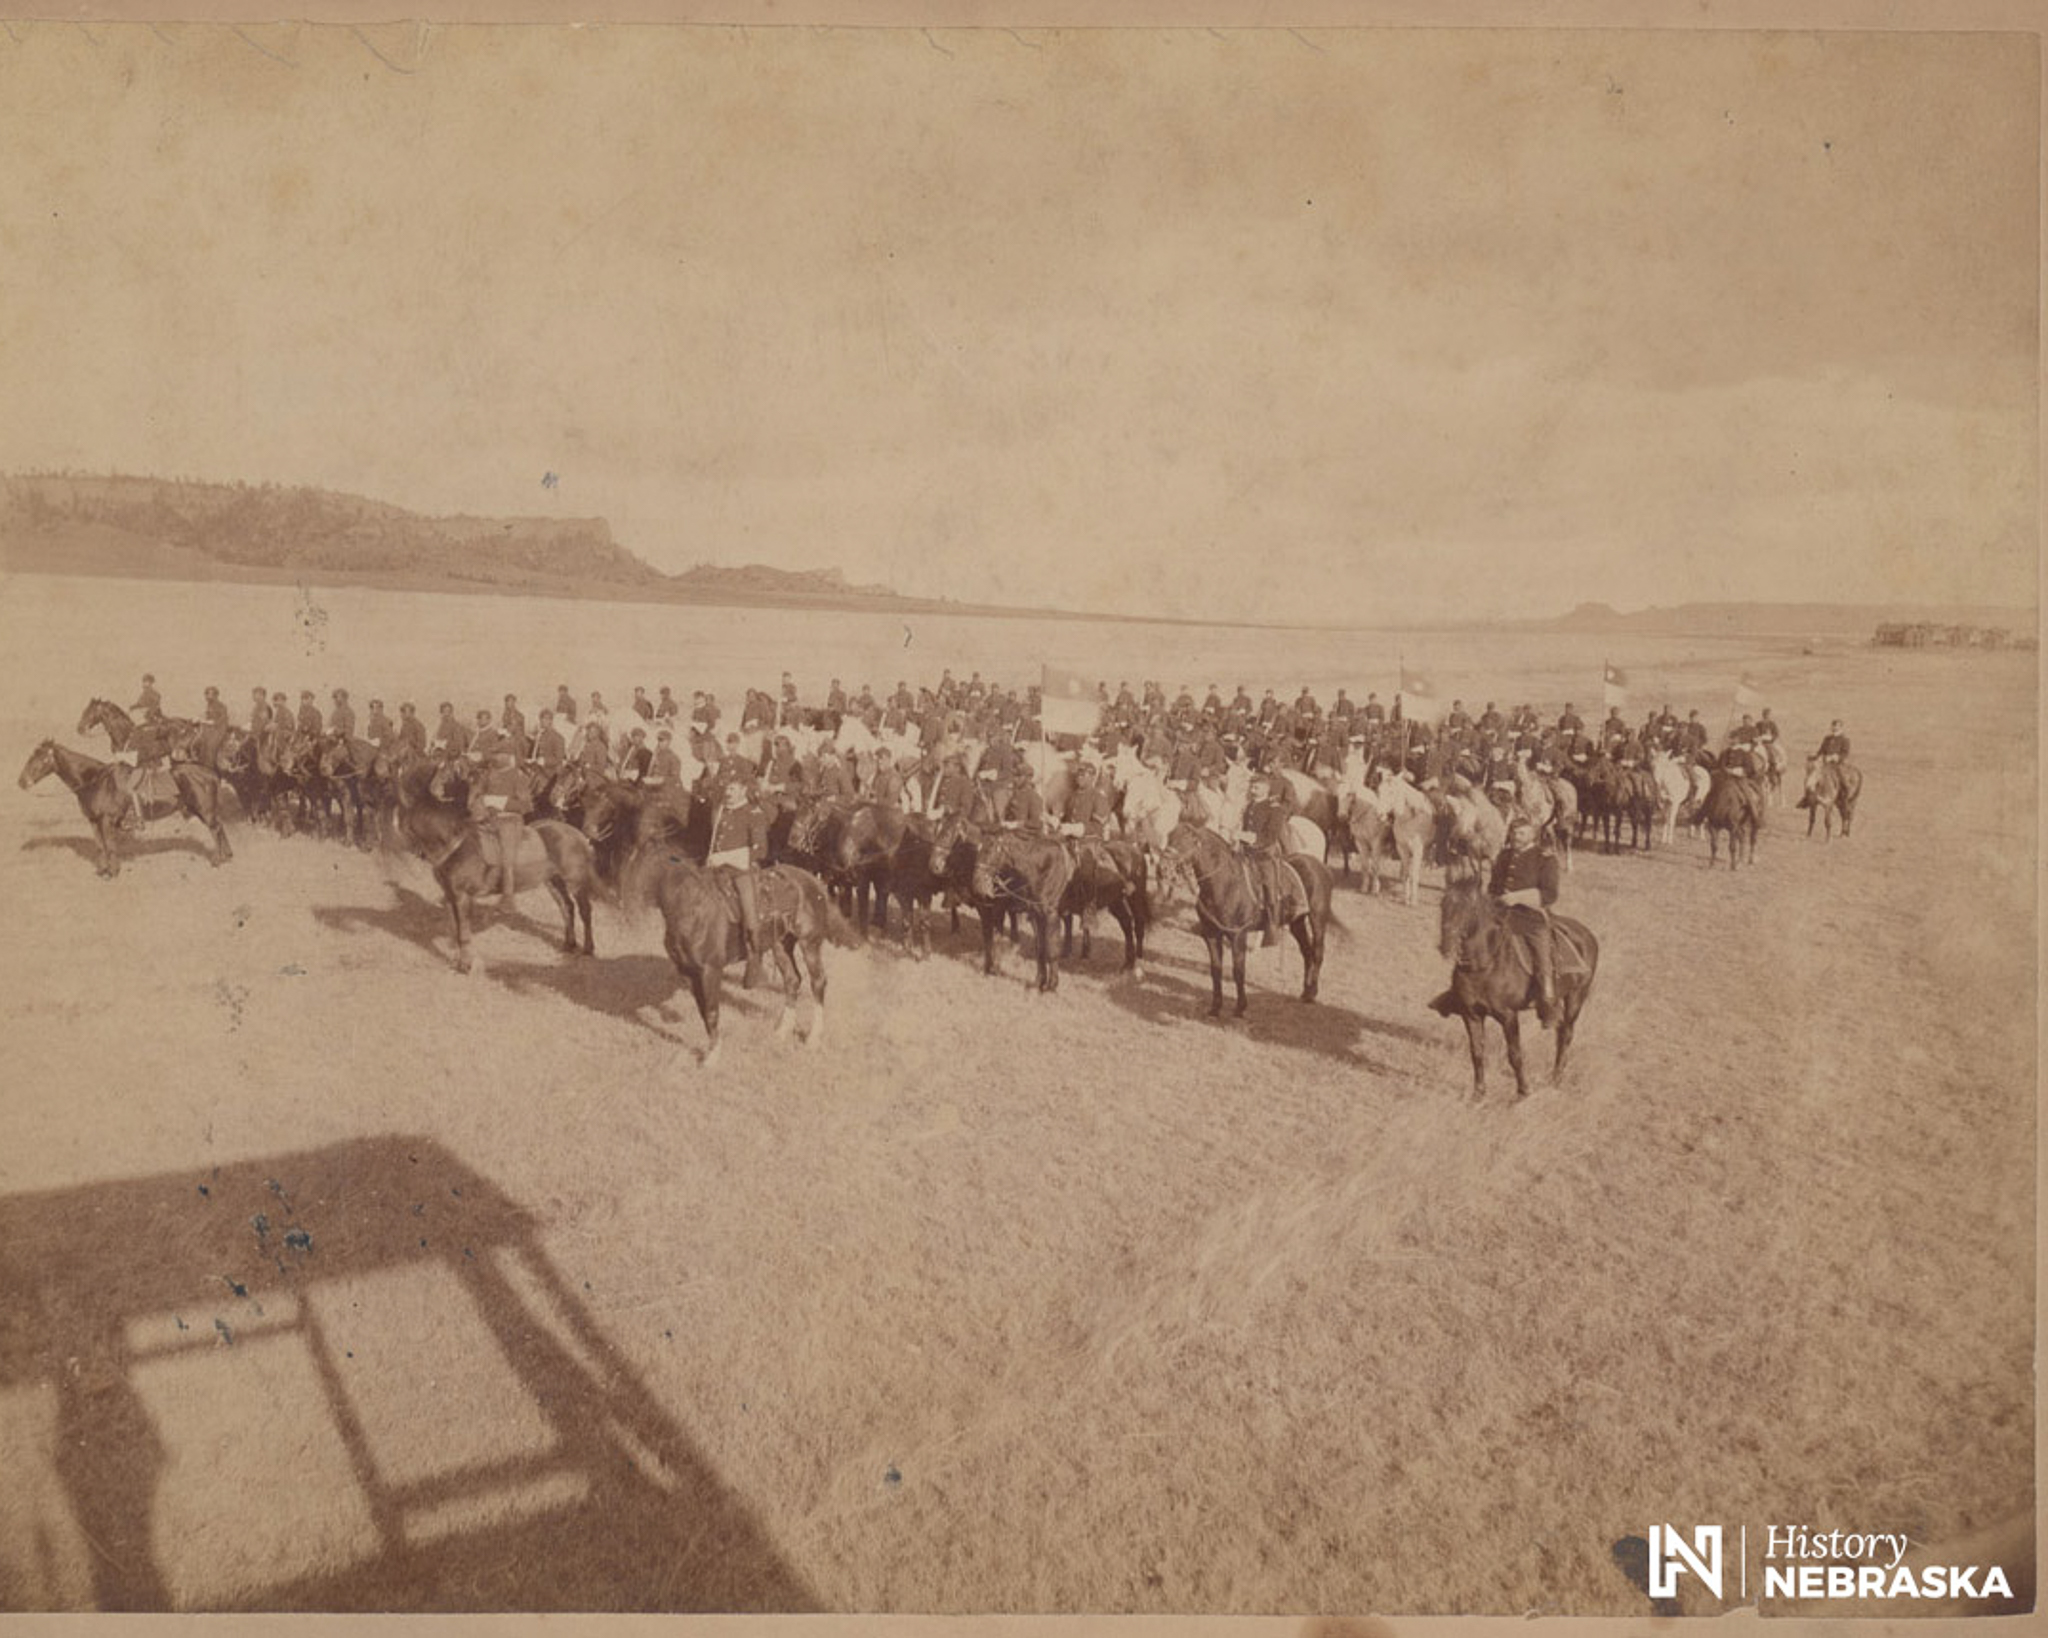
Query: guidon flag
{"x": 1613, "y": 686}
{"x": 1067, "y": 703}
{"x": 1418, "y": 697}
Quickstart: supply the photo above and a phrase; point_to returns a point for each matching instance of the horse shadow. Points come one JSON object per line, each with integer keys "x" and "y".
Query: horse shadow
{"x": 128, "y": 847}
{"x": 413, "y": 918}
{"x": 1321, "y": 1027}
{"x": 309, "y": 1309}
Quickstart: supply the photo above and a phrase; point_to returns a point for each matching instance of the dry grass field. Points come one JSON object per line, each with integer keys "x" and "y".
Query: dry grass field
{"x": 337, "y": 1281}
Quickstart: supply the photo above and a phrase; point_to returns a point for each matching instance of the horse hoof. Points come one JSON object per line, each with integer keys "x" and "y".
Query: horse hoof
{"x": 710, "y": 1058}
{"x": 1137, "y": 972}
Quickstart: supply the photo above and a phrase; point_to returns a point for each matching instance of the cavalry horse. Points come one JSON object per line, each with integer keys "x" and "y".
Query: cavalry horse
{"x": 1390, "y": 816}
{"x": 1735, "y": 807}
{"x": 1109, "y": 874}
{"x": 1831, "y": 792}
{"x": 184, "y": 788}
{"x": 465, "y": 861}
{"x": 1027, "y": 873}
{"x": 701, "y": 930}
{"x": 1227, "y": 907}
{"x": 1493, "y": 976}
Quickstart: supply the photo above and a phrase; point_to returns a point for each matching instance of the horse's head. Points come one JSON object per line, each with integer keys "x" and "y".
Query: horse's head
{"x": 989, "y": 859}
{"x": 1465, "y": 910}
{"x": 41, "y": 763}
{"x": 94, "y": 715}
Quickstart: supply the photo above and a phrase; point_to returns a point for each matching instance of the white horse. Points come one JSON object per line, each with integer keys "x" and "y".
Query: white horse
{"x": 1390, "y": 815}
{"x": 1674, "y": 789}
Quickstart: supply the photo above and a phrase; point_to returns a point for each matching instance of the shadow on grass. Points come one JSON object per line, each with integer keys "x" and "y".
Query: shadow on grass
{"x": 310, "y": 1309}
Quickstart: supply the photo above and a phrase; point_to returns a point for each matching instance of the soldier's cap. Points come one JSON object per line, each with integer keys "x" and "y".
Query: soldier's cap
{"x": 211, "y": 691}
{"x": 664, "y": 735}
{"x": 376, "y": 705}
{"x": 735, "y": 787}
{"x": 341, "y": 693}
{"x": 305, "y": 693}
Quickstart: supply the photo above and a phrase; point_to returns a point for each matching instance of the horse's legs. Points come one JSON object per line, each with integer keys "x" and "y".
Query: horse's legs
{"x": 991, "y": 918}
{"x": 814, "y": 961}
{"x": 1048, "y": 962}
{"x": 110, "y": 857}
{"x": 1214, "y": 942}
{"x": 1475, "y": 1037}
{"x": 1067, "y": 937}
{"x": 1237, "y": 944}
{"x": 1124, "y": 920}
{"x": 558, "y": 891}
{"x": 1308, "y": 935}
{"x": 457, "y": 907}
{"x": 1568, "y": 1015}
{"x": 706, "y": 985}
{"x": 1511, "y": 1027}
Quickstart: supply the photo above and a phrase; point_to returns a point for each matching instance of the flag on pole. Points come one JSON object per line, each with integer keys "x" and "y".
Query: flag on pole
{"x": 1418, "y": 697}
{"x": 1067, "y": 703}
{"x": 1613, "y": 686}
{"x": 1747, "y": 695}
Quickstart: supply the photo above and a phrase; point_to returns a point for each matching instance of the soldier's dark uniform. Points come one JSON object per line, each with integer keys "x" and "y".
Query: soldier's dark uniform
{"x": 1526, "y": 880}
{"x": 1264, "y": 835}
{"x": 412, "y": 733}
{"x": 499, "y": 799}
{"x": 309, "y": 716}
{"x": 1089, "y": 804}
{"x": 550, "y": 750}
{"x": 739, "y": 845}
{"x": 342, "y": 719}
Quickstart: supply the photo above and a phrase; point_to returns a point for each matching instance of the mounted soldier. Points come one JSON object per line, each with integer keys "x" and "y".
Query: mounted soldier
{"x": 149, "y": 704}
{"x": 342, "y": 718}
{"x": 1264, "y": 839}
{"x": 499, "y": 803}
{"x": 664, "y": 780}
{"x": 1525, "y": 882}
{"x": 550, "y": 750}
{"x": 513, "y": 721}
{"x": 565, "y": 704}
{"x": 259, "y": 712}
{"x": 1834, "y": 745}
{"x": 377, "y": 727}
{"x": 885, "y": 784}
{"x": 412, "y": 733}
{"x": 739, "y": 846}
{"x": 309, "y": 715}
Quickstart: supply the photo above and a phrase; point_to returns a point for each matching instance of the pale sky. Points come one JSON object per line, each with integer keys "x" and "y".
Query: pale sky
{"x": 1348, "y": 325}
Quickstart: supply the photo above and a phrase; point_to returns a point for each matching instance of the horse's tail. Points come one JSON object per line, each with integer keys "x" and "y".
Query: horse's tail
{"x": 837, "y": 928}
{"x": 639, "y": 877}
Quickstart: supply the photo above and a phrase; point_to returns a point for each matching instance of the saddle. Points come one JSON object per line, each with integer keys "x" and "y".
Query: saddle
{"x": 1291, "y": 901}
{"x": 1567, "y": 959}
{"x": 149, "y": 787}
{"x": 777, "y": 897}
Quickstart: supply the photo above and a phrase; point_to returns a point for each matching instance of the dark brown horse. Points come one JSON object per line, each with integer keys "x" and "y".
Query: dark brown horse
{"x": 1109, "y": 874}
{"x": 184, "y": 788}
{"x": 551, "y": 854}
{"x": 1013, "y": 870}
{"x": 1494, "y": 976}
{"x": 1734, "y": 807}
{"x": 863, "y": 859}
{"x": 701, "y": 930}
{"x": 1228, "y": 908}
{"x": 1831, "y": 792}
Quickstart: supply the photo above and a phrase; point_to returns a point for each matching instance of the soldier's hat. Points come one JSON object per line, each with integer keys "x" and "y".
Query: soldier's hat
{"x": 304, "y": 693}
{"x": 664, "y": 734}
{"x": 211, "y": 691}
{"x": 376, "y": 705}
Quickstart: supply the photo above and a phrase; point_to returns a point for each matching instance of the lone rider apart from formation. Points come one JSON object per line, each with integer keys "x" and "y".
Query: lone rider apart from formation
{"x": 498, "y": 801}
{"x": 1265, "y": 842}
{"x": 739, "y": 843}
{"x": 1834, "y": 747}
{"x": 149, "y": 703}
{"x": 1525, "y": 882}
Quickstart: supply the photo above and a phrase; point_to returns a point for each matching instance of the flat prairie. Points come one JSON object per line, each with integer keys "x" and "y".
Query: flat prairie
{"x": 336, "y": 1281}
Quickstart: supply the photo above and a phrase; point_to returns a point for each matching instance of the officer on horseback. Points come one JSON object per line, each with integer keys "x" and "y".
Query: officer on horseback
{"x": 499, "y": 801}
{"x": 1525, "y": 883}
{"x": 1834, "y": 745}
{"x": 739, "y": 844}
{"x": 1264, "y": 835}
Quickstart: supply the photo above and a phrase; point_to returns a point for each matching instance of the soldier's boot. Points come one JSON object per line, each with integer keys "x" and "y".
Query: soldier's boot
{"x": 1271, "y": 936}
{"x": 1541, "y": 948}
{"x": 750, "y": 928}
{"x": 508, "y": 868}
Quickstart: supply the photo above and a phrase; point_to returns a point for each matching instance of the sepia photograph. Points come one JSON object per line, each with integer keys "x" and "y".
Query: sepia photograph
{"x": 966, "y": 816}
